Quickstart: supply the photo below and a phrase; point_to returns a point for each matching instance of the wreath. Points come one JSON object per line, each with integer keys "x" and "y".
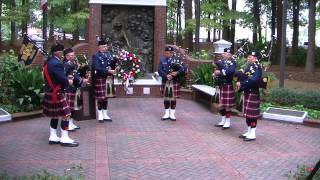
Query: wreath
{"x": 130, "y": 67}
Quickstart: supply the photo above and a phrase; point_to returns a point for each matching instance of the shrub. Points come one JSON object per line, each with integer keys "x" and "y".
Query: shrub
{"x": 21, "y": 89}
{"x": 73, "y": 173}
{"x": 282, "y": 96}
{"x": 299, "y": 57}
{"x": 8, "y": 65}
{"x": 287, "y": 97}
{"x": 28, "y": 86}
{"x": 203, "y": 74}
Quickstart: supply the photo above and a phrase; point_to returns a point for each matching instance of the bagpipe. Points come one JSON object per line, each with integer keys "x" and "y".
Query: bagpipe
{"x": 261, "y": 56}
{"x": 84, "y": 72}
{"x": 177, "y": 64}
{"x": 219, "y": 65}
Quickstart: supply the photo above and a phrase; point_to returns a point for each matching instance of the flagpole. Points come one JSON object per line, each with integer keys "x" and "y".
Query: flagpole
{"x": 45, "y": 23}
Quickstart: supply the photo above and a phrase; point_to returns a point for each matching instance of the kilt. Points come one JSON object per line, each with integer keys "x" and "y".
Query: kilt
{"x": 227, "y": 98}
{"x": 251, "y": 106}
{"x": 55, "y": 110}
{"x": 70, "y": 97}
{"x": 100, "y": 89}
{"x": 176, "y": 89}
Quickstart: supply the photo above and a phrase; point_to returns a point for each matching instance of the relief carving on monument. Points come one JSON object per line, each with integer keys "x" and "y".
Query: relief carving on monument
{"x": 130, "y": 27}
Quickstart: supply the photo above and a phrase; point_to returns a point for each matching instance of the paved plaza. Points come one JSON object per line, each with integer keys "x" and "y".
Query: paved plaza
{"x": 138, "y": 145}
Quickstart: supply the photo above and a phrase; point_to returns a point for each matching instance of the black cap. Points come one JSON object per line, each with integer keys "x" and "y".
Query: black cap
{"x": 228, "y": 50}
{"x": 102, "y": 42}
{"x": 169, "y": 48}
{"x": 67, "y": 51}
{"x": 57, "y": 47}
{"x": 255, "y": 54}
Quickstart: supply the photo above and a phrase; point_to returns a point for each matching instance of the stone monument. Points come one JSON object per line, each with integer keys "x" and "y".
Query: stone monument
{"x": 130, "y": 24}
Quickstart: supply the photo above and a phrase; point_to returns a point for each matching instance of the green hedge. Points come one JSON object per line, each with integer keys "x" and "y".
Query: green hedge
{"x": 287, "y": 97}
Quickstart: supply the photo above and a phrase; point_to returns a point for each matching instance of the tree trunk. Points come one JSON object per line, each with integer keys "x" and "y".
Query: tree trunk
{"x": 310, "y": 64}
{"x": 188, "y": 41}
{"x": 273, "y": 17}
{"x": 24, "y": 24}
{"x": 257, "y": 26}
{"x": 51, "y": 31}
{"x": 209, "y": 31}
{"x": 197, "y": 16}
{"x": 226, "y": 28}
{"x": 233, "y": 24}
{"x": 13, "y": 24}
{"x": 0, "y": 26}
{"x": 295, "y": 19}
{"x": 178, "y": 26}
{"x": 279, "y": 24}
{"x": 75, "y": 8}
{"x": 214, "y": 35}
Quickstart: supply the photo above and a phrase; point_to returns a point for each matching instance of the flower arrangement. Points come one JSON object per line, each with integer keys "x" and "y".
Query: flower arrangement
{"x": 130, "y": 66}
{"x": 302, "y": 172}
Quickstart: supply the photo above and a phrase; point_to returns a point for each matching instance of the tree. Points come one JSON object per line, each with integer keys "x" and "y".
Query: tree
{"x": 178, "y": 27}
{"x": 67, "y": 15}
{"x": 0, "y": 24}
{"x": 279, "y": 25}
{"x": 226, "y": 22}
{"x": 310, "y": 64}
{"x": 171, "y": 21}
{"x": 233, "y": 23}
{"x": 257, "y": 25}
{"x": 273, "y": 17}
{"x": 295, "y": 24}
{"x": 13, "y": 24}
{"x": 221, "y": 17}
{"x": 197, "y": 16}
{"x": 188, "y": 40}
{"x": 24, "y": 24}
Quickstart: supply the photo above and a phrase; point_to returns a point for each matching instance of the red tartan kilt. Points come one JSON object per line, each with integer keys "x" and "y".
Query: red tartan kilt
{"x": 100, "y": 89}
{"x": 176, "y": 89}
{"x": 55, "y": 110}
{"x": 70, "y": 97}
{"x": 251, "y": 106}
{"x": 227, "y": 98}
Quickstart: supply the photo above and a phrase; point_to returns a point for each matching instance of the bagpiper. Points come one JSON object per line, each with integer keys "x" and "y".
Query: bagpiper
{"x": 55, "y": 105}
{"x": 250, "y": 85}
{"x": 71, "y": 68}
{"x": 103, "y": 67}
{"x": 171, "y": 74}
{"x": 224, "y": 75}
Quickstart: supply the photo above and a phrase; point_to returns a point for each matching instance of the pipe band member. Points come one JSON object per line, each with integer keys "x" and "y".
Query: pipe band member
{"x": 225, "y": 71}
{"x": 55, "y": 105}
{"x": 171, "y": 74}
{"x": 250, "y": 85}
{"x": 103, "y": 67}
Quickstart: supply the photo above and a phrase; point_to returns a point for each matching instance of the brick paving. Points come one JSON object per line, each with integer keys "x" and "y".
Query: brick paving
{"x": 137, "y": 145}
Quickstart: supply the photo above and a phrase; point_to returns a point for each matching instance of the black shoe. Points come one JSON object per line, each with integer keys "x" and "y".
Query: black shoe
{"x": 54, "y": 142}
{"x": 224, "y": 128}
{"x": 218, "y": 125}
{"x": 242, "y": 136}
{"x": 246, "y": 139}
{"x": 74, "y": 144}
{"x": 173, "y": 119}
{"x": 101, "y": 121}
{"x": 71, "y": 130}
{"x": 163, "y": 119}
{"x": 108, "y": 120}
{"x": 77, "y": 128}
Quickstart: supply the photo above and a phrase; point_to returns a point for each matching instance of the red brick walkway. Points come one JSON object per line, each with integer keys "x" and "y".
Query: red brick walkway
{"x": 137, "y": 145}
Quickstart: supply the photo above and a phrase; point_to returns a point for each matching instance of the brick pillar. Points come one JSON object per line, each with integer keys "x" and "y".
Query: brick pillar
{"x": 160, "y": 28}
{"x": 94, "y": 27}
